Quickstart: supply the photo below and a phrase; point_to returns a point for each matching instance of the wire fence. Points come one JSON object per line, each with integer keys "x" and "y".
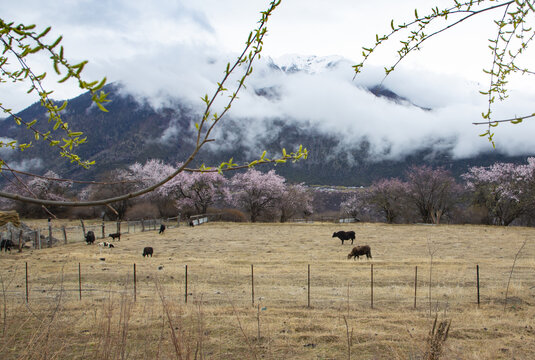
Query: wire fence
{"x": 368, "y": 286}
{"x": 52, "y": 234}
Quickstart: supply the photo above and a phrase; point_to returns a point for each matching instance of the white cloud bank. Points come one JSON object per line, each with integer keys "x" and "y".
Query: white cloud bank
{"x": 178, "y": 50}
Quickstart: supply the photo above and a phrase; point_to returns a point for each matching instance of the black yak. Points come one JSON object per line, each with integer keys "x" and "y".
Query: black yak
{"x": 90, "y": 237}
{"x": 162, "y": 229}
{"x": 345, "y": 235}
{"x": 359, "y": 251}
{"x": 6, "y": 245}
{"x": 147, "y": 251}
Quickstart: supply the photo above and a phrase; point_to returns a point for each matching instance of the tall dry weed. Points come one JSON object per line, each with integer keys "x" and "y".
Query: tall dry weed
{"x": 436, "y": 339}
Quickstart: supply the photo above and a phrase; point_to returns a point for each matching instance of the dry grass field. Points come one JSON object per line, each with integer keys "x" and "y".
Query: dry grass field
{"x": 219, "y": 320}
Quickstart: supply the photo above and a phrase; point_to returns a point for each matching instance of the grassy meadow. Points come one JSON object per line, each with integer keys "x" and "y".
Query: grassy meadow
{"x": 219, "y": 320}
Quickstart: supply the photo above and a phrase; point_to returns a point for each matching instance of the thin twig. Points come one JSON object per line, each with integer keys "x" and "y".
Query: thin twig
{"x": 511, "y": 273}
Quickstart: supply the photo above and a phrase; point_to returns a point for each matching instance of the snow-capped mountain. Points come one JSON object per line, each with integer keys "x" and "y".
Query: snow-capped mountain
{"x": 310, "y": 64}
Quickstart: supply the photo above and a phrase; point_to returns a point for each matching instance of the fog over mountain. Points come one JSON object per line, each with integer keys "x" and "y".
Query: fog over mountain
{"x": 357, "y": 129}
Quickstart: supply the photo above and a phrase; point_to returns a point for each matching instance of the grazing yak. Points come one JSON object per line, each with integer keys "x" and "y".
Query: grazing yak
{"x": 162, "y": 229}
{"x": 359, "y": 251}
{"x": 147, "y": 251}
{"x": 116, "y": 235}
{"x": 90, "y": 237}
{"x": 345, "y": 235}
{"x": 6, "y": 245}
{"x": 106, "y": 244}
{"x": 191, "y": 223}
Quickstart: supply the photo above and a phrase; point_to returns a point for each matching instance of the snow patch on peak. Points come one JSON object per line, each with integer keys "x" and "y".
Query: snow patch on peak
{"x": 310, "y": 64}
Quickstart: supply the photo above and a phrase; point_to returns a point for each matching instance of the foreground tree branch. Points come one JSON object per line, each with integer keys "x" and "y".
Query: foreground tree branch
{"x": 514, "y": 33}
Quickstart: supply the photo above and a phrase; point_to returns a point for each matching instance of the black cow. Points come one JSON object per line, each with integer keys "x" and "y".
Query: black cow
{"x": 116, "y": 235}
{"x": 147, "y": 251}
{"x": 359, "y": 251}
{"x": 345, "y": 235}
{"x": 162, "y": 229}
{"x": 90, "y": 237}
{"x": 191, "y": 223}
{"x": 6, "y": 245}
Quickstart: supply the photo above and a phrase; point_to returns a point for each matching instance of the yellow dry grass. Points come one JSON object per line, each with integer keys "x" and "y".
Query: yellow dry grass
{"x": 106, "y": 323}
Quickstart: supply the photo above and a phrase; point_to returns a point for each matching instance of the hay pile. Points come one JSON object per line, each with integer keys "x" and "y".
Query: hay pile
{"x": 9, "y": 216}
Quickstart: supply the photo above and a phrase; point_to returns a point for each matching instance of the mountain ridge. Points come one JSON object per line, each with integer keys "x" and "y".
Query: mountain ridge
{"x": 134, "y": 131}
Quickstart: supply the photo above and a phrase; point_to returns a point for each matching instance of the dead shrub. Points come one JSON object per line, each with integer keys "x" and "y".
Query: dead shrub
{"x": 436, "y": 339}
{"x": 142, "y": 211}
{"x": 233, "y": 215}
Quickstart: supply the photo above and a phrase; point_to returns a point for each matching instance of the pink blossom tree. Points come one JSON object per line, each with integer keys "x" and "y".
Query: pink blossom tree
{"x": 357, "y": 204}
{"x": 43, "y": 187}
{"x": 434, "y": 192}
{"x": 506, "y": 190}
{"x": 110, "y": 187}
{"x": 143, "y": 175}
{"x": 255, "y": 192}
{"x": 295, "y": 199}
{"x": 194, "y": 191}
{"x": 389, "y": 197}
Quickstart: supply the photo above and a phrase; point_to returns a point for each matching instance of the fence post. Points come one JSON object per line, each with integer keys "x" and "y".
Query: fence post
{"x": 83, "y": 226}
{"x": 103, "y": 228}
{"x": 36, "y": 240}
{"x": 371, "y": 299}
{"x": 142, "y": 225}
{"x": 64, "y": 235}
{"x": 119, "y": 226}
{"x": 308, "y": 291}
{"x": 26, "y": 282}
{"x": 80, "y": 280}
{"x": 135, "y": 282}
{"x": 178, "y": 220}
{"x": 49, "y": 243}
{"x": 39, "y": 237}
{"x": 186, "y": 285}
{"x": 20, "y": 240}
{"x": 12, "y": 234}
{"x": 477, "y": 272}
{"x": 415, "y": 283}
{"x": 252, "y": 285}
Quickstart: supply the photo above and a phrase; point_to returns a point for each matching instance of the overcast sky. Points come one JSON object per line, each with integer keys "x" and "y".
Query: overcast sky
{"x": 160, "y": 50}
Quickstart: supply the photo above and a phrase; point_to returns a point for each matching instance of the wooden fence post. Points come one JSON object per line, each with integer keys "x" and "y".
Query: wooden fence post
{"x": 371, "y": 293}
{"x": 83, "y": 226}
{"x": 252, "y": 285}
{"x": 142, "y": 226}
{"x": 20, "y": 240}
{"x": 49, "y": 243}
{"x": 119, "y": 226}
{"x": 178, "y": 220}
{"x": 415, "y": 283}
{"x": 103, "y": 228}
{"x": 36, "y": 240}
{"x": 39, "y": 237}
{"x": 64, "y": 235}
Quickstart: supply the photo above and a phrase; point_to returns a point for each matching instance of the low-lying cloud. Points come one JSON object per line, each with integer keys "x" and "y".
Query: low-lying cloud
{"x": 437, "y": 115}
{"x": 174, "y": 53}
